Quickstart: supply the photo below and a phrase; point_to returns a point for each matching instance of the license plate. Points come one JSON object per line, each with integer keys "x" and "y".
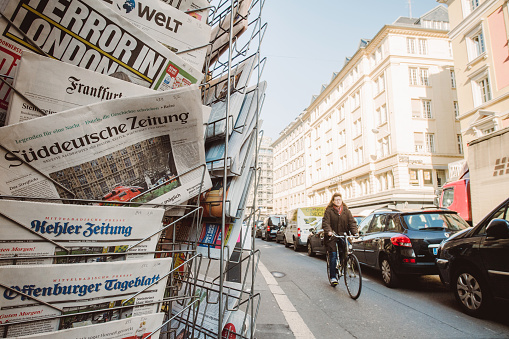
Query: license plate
{"x": 434, "y": 249}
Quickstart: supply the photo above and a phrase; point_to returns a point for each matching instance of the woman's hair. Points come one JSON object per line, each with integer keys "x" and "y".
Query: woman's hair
{"x": 331, "y": 203}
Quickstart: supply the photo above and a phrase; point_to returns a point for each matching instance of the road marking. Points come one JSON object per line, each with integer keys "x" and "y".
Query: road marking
{"x": 293, "y": 318}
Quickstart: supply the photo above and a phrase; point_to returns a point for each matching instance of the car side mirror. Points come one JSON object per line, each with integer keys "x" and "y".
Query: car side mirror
{"x": 498, "y": 229}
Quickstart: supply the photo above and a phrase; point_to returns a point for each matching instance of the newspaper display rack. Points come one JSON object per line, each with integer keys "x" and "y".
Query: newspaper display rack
{"x": 123, "y": 256}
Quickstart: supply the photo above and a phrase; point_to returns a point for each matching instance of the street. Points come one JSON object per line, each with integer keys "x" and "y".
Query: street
{"x": 420, "y": 308}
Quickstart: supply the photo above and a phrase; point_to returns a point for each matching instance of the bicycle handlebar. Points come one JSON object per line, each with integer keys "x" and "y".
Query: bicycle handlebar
{"x": 334, "y": 234}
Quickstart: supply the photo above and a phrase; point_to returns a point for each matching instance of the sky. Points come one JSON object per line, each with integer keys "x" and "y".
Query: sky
{"x": 306, "y": 41}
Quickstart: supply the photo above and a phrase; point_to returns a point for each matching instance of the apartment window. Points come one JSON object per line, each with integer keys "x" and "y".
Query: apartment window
{"x": 418, "y": 142}
{"x": 418, "y": 76}
{"x": 427, "y": 178}
{"x": 357, "y": 127}
{"x": 459, "y": 140}
{"x": 475, "y": 43}
{"x": 359, "y": 156}
{"x": 424, "y": 78}
{"x": 456, "y": 109}
{"x": 410, "y": 45}
{"x": 473, "y": 4}
{"x": 383, "y": 147}
{"x": 423, "y": 46}
{"x": 416, "y": 108}
{"x": 412, "y": 74}
{"x": 379, "y": 84}
{"x": 430, "y": 142}
{"x": 453, "y": 79}
{"x": 381, "y": 115}
{"x": 414, "y": 179}
{"x": 356, "y": 99}
{"x": 484, "y": 89}
{"x": 441, "y": 178}
{"x": 426, "y": 109}
{"x": 488, "y": 130}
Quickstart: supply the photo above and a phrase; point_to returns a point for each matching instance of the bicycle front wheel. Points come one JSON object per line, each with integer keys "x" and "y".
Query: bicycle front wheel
{"x": 353, "y": 276}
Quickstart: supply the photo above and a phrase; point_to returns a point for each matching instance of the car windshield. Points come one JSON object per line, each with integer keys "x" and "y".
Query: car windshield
{"x": 275, "y": 220}
{"x": 435, "y": 221}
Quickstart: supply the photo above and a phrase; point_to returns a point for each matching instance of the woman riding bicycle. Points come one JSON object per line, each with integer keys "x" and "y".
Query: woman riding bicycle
{"x": 337, "y": 218}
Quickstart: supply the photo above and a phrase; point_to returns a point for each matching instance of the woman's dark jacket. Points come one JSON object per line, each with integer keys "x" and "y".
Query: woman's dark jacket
{"x": 344, "y": 223}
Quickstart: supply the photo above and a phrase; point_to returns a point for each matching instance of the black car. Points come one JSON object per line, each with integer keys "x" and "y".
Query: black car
{"x": 280, "y": 234}
{"x": 271, "y": 225}
{"x": 258, "y": 228}
{"x": 315, "y": 240}
{"x": 402, "y": 243}
{"x": 475, "y": 263}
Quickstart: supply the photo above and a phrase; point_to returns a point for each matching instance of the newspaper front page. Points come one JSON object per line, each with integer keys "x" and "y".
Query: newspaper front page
{"x": 172, "y": 28}
{"x": 77, "y": 289}
{"x": 130, "y": 328}
{"x": 25, "y": 228}
{"x": 131, "y": 149}
{"x": 88, "y": 34}
{"x": 54, "y": 86}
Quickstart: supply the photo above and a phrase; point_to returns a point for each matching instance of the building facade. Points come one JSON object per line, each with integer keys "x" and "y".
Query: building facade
{"x": 289, "y": 167}
{"x": 264, "y": 195}
{"x": 479, "y": 35}
{"x": 383, "y": 131}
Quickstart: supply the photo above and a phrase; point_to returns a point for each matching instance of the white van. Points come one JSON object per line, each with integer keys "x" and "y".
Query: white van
{"x": 300, "y": 221}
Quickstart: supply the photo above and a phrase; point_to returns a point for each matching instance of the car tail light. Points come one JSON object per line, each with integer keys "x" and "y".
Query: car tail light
{"x": 411, "y": 261}
{"x": 401, "y": 240}
{"x": 298, "y": 232}
{"x": 268, "y": 228}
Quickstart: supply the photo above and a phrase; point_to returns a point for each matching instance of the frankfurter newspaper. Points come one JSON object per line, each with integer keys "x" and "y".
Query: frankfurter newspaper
{"x": 141, "y": 149}
{"x": 173, "y": 28}
{"x": 55, "y": 86}
{"x": 76, "y": 290}
{"x": 88, "y": 34}
{"x": 130, "y": 328}
{"x": 27, "y": 227}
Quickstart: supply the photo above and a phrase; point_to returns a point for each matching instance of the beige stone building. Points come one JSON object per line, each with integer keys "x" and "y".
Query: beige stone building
{"x": 479, "y": 34}
{"x": 264, "y": 194}
{"x": 383, "y": 131}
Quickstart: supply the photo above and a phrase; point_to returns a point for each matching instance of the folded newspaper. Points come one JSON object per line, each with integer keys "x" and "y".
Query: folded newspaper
{"x": 88, "y": 34}
{"x": 54, "y": 86}
{"x": 172, "y": 28}
{"x": 130, "y": 328}
{"x": 41, "y": 292}
{"x": 144, "y": 149}
{"x": 34, "y": 229}
{"x": 198, "y": 9}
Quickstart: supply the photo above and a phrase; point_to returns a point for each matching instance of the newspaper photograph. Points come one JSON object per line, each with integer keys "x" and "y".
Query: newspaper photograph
{"x": 147, "y": 149}
{"x": 176, "y": 30}
{"x": 209, "y": 241}
{"x": 88, "y": 34}
{"x": 206, "y": 310}
{"x": 54, "y": 86}
{"x": 86, "y": 294}
{"x": 237, "y": 326}
{"x": 130, "y": 328}
{"x": 25, "y": 228}
{"x": 9, "y": 59}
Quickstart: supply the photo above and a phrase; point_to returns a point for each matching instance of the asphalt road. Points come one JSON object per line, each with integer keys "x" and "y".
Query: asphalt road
{"x": 420, "y": 308}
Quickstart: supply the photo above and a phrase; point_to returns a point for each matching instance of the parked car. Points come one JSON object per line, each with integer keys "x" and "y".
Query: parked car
{"x": 280, "y": 234}
{"x": 358, "y": 218}
{"x": 404, "y": 242}
{"x": 271, "y": 225}
{"x": 475, "y": 263}
{"x": 122, "y": 193}
{"x": 315, "y": 242}
{"x": 258, "y": 228}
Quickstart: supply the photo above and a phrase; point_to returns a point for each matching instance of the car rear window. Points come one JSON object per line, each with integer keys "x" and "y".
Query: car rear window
{"x": 435, "y": 221}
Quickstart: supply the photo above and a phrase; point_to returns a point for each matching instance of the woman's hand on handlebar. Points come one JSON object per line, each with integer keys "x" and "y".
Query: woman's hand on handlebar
{"x": 330, "y": 234}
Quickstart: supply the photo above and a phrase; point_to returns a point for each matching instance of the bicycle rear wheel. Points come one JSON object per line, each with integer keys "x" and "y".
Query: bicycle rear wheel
{"x": 353, "y": 276}
{"x": 328, "y": 269}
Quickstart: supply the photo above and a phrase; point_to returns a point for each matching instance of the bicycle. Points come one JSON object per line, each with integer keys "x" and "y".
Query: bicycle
{"x": 351, "y": 271}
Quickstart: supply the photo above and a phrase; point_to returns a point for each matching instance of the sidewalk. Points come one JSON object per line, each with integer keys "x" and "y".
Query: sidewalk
{"x": 277, "y": 317}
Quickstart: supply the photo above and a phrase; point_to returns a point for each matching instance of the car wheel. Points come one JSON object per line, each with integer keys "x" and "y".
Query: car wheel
{"x": 471, "y": 292}
{"x": 310, "y": 250}
{"x": 389, "y": 277}
{"x": 285, "y": 242}
{"x": 267, "y": 237}
{"x": 277, "y": 240}
{"x": 295, "y": 245}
